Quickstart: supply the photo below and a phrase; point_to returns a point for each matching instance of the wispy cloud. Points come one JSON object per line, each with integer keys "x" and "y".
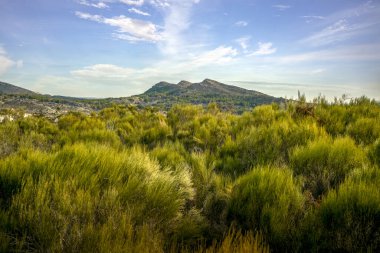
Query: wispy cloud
{"x": 137, "y": 11}
{"x": 265, "y": 48}
{"x": 367, "y": 9}
{"x": 220, "y": 55}
{"x": 6, "y": 63}
{"x": 128, "y": 28}
{"x": 133, "y": 2}
{"x": 281, "y": 7}
{"x": 241, "y": 23}
{"x": 339, "y": 31}
{"x": 160, "y": 3}
{"x": 317, "y": 71}
{"x": 312, "y": 18}
{"x": 99, "y": 5}
{"x": 367, "y": 52}
{"x": 177, "y": 19}
{"x": 104, "y": 71}
{"x": 345, "y": 24}
{"x": 243, "y": 42}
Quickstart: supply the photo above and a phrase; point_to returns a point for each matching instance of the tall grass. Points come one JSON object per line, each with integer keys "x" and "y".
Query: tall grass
{"x": 325, "y": 163}
{"x": 58, "y": 198}
{"x": 136, "y": 180}
{"x": 268, "y": 200}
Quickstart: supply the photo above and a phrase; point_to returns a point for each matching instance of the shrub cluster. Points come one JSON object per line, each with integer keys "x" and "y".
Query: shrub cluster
{"x": 299, "y": 177}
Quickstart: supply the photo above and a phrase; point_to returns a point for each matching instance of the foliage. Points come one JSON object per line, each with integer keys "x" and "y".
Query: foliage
{"x": 325, "y": 163}
{"x": 295, "y": 177}
{"x": 350, "y": 216}
{"x": 268, "y": 200}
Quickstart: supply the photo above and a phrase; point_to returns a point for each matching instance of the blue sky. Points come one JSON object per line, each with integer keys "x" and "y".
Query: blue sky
{"x": 118, "y": 48}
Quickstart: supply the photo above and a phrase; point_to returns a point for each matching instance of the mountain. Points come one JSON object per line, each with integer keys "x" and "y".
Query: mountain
{"x": 162, "y": 96}
{"x": 9, "y": 89}
{"x": 228, "y": 97}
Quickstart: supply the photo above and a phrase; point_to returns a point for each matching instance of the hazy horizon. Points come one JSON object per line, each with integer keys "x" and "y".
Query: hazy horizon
{"x": 115, "y": 48}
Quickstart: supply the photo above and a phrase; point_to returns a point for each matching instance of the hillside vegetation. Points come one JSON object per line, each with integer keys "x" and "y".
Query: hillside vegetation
{"x": 162, "y": 96}
{"x": 301, "y": 177}
{"x": 6, "y": 88}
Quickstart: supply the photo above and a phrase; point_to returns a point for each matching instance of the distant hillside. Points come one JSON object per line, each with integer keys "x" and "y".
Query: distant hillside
{"x": 229, "y": 97}
{"x": 162, "y": 96}
{"x": 9, "y": 89}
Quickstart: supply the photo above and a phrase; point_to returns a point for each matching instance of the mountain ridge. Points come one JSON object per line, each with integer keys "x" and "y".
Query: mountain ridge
{"x": 163, "y": 95}
{"x": 229, "y": 97}
{"x": 206, "y": 85}
{"x": 10, "y": 89}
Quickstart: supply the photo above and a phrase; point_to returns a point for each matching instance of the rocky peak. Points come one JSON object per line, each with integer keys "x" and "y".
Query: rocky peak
{"x": 208, "y": 82}
{"x": 184, "y": 84}
{"x": 162, "y": 84}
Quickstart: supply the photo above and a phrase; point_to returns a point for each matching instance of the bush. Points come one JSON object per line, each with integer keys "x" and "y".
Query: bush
{"x": 237, "y": 242}
{"x": 324, "y": 163}
{"x": 365, "y": 130}
{"x": 264, "y": 145}
{"x": 268, "y": 200}
{"x": 63, "y": 201}
{"x": 350, "y": 218}
{"x": 9, "y": 138}
{"x": 374, "y": 153}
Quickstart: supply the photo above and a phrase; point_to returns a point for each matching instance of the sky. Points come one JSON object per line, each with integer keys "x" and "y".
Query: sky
{"x": 114, "y": 48}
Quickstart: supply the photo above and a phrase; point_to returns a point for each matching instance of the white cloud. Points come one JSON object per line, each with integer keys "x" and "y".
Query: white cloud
{"x": 243, "y": 42}
{"x": 366, "y": 9}
{"x": 220, "y": 55}
{"x": 6, "y": 63}
{"x": 20, "y": 64}
{"x": 345, "y": 24}
{"x": 107, "y": 71}
{"x": 171, "y": 35}
{"x": 137, "y": 30}
{"x": 317, "y": 71}
{"x": 177, "y": 19}
{"x": 241, "y": 23}
{"x": 143, "y": 78}
{"x": 88, "y": 16}
{"x": 160, "y": 3}
{"x": 366, "y": 52}
{"x": 133, "y": 2}
{"x": 137, "y": 11}
{"x": 265, "y": 48}
{"x": 99, "y": 5}
{"x": 281, "y": 7}
{"x": 312, "y": 18}
{"x": 339, "y": 31}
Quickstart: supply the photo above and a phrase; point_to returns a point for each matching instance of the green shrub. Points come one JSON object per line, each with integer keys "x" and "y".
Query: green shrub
{"x": 365, "y": 130}
{"x": 61, "y": 201}
{"x": 374, "y": 153}
{"x": 350, "y": 218}
{"x": 268, "y": 200}
{"x": 264, "y": 145}
{"x": 324, "y": 163}
{"x": 212, "y": 194}
{"x": 9, "y": 138}
{"x": 237, "y": 242}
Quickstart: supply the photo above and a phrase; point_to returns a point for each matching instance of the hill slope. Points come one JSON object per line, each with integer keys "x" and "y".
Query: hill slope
{"x": 9, "y": 89}
{"x": 162, "y": 95}
{"x": 229, "y": 97}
